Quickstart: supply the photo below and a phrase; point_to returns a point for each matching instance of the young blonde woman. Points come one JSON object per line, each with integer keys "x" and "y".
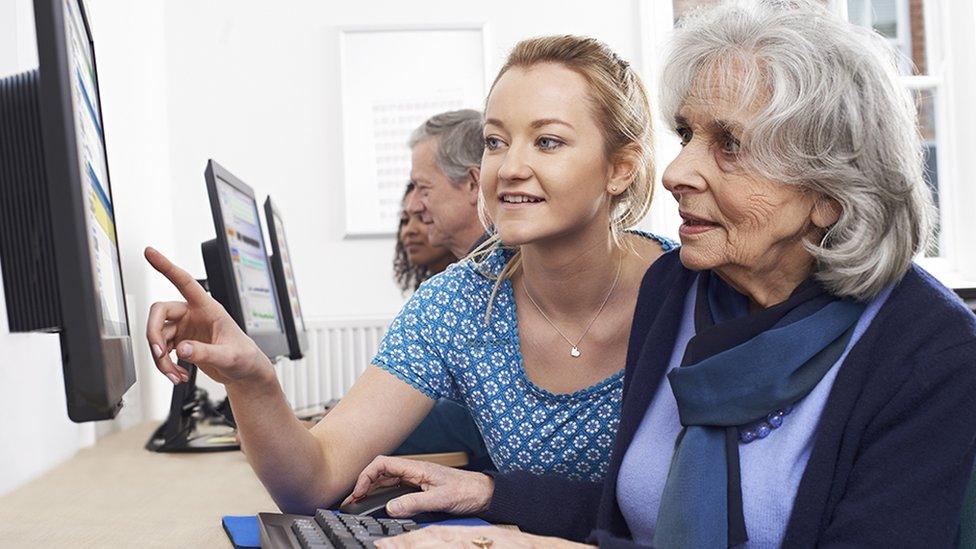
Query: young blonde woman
{"x": 531, "y": 335}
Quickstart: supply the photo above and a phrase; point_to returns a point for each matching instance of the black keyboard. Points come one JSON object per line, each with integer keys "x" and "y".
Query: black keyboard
{"x": 327, "y": 530}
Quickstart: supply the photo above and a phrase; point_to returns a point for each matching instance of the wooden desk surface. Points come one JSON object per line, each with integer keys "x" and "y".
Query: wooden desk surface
{"x": 116, "y": 494}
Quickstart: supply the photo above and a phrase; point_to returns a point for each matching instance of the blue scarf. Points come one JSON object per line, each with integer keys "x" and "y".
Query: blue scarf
{"x": 738, "y": 368}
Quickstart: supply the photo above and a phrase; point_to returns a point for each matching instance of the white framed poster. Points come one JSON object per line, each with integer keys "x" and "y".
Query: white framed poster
{"x": 394, "y": 78}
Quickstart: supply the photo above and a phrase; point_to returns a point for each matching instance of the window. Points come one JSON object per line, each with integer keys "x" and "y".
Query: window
{"x": 911, "y": 27}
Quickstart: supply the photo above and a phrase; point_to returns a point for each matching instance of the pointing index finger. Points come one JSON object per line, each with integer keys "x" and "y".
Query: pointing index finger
{"x": 186, "y": 284}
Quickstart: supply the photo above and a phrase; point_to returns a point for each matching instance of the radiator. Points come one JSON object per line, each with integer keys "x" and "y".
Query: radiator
{"x": 339, "y": 350}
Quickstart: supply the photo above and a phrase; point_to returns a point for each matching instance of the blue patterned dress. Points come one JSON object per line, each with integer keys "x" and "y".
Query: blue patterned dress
{"x": 441, "y": 345}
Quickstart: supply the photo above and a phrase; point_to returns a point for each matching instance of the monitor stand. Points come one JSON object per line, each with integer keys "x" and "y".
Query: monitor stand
{"x": 194, "y": 424}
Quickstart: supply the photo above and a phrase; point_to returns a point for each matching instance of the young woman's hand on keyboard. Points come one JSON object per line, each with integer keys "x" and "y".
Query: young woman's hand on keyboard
{"x": 200, "y": 331}
{"x": 444, "y": 489}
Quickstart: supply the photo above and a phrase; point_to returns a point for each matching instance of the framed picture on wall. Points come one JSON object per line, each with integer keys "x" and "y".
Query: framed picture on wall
{"x": 394, "y": 78}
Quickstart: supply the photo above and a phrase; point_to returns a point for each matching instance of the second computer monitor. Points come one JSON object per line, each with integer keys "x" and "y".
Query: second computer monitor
{"x": 291, "y": 309}
{"x": 238, "y": 269}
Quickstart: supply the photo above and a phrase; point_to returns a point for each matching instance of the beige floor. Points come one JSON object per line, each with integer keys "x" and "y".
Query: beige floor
{"x": 116, "y": 494}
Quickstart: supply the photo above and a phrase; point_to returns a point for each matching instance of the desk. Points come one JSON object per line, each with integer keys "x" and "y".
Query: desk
{"x": 116, "y": 494}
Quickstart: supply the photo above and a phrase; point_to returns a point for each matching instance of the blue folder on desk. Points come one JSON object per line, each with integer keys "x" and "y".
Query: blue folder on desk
{"x": 243, "y": 530}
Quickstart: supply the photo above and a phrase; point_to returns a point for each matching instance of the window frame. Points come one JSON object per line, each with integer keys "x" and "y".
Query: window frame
{"x": 947, "y": 36}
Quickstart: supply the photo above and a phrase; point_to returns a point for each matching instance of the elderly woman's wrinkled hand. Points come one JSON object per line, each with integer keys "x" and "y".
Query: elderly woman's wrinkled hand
{"x": 444, "y": 489}
{"x": 471, "y": 537}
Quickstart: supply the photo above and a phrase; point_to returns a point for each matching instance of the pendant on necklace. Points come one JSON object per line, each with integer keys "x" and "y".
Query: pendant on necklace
{"x": 574, "y": 352}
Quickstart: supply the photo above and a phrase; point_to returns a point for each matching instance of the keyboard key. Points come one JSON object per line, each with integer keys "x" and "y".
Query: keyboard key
{"x": 309, "y": 535}
{"x": 328, "y": 530}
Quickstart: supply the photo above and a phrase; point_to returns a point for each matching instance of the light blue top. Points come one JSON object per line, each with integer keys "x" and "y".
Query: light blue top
{"x": 770, "y": 468}
{"x": 440, "y": 344}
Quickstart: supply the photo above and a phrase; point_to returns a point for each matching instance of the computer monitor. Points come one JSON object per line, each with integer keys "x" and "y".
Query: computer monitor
{"x": 284, "y": 275}
{"x": 238, "y": 270}
{"x": 58, "y": 245}
{"x": 239, "y": 276}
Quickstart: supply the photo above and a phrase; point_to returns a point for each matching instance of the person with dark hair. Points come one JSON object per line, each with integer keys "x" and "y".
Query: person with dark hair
{"x": 416, "y": 259}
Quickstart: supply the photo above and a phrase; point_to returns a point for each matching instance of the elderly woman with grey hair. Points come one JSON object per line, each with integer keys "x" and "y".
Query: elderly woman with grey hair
{"x": 793, "y": 379}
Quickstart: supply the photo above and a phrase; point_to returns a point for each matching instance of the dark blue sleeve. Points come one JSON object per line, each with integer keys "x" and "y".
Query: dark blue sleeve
{"x": 544, "y": 504}
{"x": 906, "y": 486}
{"x": 604, "y": 540}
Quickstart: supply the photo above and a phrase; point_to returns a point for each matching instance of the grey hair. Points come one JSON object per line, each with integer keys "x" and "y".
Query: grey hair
{"x": 832, "y": 118}
{"x": 460, "y": 141}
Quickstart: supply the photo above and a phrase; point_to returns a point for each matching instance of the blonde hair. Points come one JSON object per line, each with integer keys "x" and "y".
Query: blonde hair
{"x": 620, "y": 106}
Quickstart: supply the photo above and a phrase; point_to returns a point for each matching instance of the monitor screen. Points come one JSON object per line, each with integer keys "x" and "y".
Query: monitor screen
{"x": 296, "y": 308}
{"x": 252, "y": 272}
{"x": 94, "y": 173}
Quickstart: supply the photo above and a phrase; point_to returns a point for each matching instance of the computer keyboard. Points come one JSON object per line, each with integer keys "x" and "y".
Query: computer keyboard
{"x": 327, "y": 530}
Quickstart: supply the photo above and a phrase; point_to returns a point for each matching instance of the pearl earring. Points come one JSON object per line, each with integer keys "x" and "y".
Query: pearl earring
{"x": 613, "y": 189}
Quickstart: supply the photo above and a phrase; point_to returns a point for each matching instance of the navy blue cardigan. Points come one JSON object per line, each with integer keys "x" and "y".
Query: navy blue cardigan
{"x": 892, "y": 454}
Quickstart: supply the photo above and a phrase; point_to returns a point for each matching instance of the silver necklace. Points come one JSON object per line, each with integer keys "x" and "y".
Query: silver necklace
{"x": 574, "y": 347}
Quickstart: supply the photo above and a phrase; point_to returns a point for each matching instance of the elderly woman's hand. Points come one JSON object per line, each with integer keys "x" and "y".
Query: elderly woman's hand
{"x": 469, "y": 537}
{"x": 444, "y": 489}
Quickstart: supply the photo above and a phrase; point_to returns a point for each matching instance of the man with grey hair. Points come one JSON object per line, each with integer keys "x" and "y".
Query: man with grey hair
{"x": 445, "y": 166}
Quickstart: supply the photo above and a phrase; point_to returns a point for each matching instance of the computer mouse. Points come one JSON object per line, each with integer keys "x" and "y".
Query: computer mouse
{"x": 374, "y": 505}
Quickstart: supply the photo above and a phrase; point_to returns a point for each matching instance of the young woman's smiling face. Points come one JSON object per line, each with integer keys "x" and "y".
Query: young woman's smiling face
{"x": 545, "y": 171}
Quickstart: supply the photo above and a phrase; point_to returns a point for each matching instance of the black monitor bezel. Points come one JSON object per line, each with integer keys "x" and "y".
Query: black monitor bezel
{"x": 95, "y": 393}
{"x": 297, "y": 340}
{"x": 273, "y": 344}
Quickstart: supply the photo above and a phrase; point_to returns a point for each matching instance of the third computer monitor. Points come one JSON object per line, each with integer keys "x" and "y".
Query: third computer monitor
{"x": 281, "y": 263}
{"x": 238, "y": 269}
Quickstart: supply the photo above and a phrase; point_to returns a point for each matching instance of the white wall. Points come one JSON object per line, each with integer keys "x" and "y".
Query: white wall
{"x": 254, "y": 85}
{"x": 958, "y": 19}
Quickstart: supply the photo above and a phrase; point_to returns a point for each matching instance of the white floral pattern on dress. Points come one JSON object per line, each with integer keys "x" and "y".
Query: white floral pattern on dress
{"x": 440, "y": 344}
